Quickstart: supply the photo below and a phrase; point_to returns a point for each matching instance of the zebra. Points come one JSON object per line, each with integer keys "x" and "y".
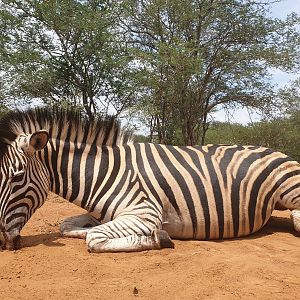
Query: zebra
{"x": 138, "y": 196}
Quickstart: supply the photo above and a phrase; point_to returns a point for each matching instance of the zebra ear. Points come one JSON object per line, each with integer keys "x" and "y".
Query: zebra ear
{"x": 34, "y": 142}
{"x": 38, "y": 140}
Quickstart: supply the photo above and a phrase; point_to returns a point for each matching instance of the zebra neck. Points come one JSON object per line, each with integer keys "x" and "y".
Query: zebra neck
{"x": 77, "y": 172}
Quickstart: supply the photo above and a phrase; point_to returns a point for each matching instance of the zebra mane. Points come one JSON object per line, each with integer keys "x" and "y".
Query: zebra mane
{"x": 69, "y": 125}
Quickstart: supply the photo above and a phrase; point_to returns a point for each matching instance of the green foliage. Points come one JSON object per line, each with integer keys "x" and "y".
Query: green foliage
{"x": 139, "y": 138}
{"x": 3, "y": 110}
{"x": 195, "y": 56}
{"x": 172, "y": 62}
{"x": 65, "y": 51}
{"x": 226, "y": 133}
{"x": 289, "y": 98}
{"x": 281, "y": 134}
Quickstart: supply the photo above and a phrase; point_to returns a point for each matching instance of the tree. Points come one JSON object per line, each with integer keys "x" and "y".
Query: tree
{"x": 281, "y": 134}
{"x": 289, "y": 98}
{"x": 197, "y": 55}
{"x": 65, "y": 53}
{"x": 3, "y": 106}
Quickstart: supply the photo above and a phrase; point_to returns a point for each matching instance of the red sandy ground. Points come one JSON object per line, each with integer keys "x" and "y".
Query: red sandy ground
{"x": 263, "y": 266}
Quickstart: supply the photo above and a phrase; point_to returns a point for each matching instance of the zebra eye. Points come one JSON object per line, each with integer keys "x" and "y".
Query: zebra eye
{"x": 18, "y": 174}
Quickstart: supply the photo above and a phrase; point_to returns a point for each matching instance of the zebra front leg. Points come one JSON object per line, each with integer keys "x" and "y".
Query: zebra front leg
{"x": 127, "y": 234}
{"x": 295, "y": 216}
{"x": 78, "y": 226}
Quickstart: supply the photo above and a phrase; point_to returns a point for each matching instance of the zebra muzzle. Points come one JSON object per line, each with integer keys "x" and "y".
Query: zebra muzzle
{"x": 13, "y": 244}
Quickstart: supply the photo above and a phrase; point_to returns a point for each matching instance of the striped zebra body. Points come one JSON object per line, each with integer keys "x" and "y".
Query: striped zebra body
{"x": 210, "y": 192}
{"x": 137, "y": 195}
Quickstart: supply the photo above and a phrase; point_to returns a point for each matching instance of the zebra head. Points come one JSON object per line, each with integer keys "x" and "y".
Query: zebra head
{"x": 24, "y": 183}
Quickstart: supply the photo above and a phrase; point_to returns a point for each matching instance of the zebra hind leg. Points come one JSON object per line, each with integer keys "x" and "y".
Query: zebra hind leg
{"x": 78, "y": 226}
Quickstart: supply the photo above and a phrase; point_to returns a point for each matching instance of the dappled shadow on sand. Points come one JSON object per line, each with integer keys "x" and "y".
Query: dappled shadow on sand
{"x": 275, "y": 224}
{"x": 48, "y": 239}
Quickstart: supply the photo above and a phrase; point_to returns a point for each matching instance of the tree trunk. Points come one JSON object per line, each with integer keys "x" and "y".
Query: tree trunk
{"x": 87, "y": 105}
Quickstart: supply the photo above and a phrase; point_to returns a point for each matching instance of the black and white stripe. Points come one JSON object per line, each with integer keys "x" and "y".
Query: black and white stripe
{"x": 137, "y": 195}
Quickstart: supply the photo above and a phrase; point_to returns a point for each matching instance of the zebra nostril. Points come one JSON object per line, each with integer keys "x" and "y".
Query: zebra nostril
{"x": 2, "y": 241}
{"x": 14, "y": 244}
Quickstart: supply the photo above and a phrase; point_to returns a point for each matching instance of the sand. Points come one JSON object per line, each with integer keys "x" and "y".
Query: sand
{"x": 265, "y": 265}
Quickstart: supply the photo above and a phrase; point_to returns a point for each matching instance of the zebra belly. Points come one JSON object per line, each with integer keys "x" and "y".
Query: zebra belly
{"x": 217, "y": 191}
{"x": 182, "y": 227}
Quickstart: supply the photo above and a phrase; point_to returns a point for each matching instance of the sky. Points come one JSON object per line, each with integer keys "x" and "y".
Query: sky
{"x": 281, "y": 10}
{"x": 244, "y": 116}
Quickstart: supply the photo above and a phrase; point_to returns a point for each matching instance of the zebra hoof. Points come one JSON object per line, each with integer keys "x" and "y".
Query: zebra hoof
{"x": 162, "y": 239}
